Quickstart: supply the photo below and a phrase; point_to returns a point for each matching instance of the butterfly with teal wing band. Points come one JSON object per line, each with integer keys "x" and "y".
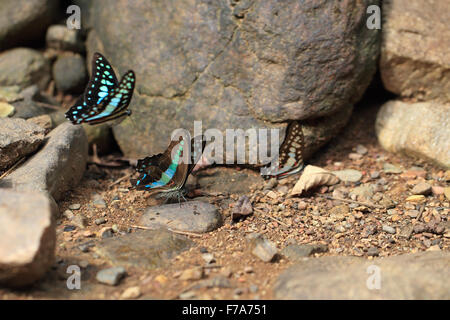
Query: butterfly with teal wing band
{"x": 166, "y": 173}
{"x": 291, "y": 153}
{"x": 104, "y": 98}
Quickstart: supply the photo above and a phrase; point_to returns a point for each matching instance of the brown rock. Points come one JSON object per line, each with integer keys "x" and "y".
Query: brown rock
{"x": 27, "y": 236}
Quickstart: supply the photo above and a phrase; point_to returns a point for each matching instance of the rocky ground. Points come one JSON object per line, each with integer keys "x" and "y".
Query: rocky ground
{"x": 280, "y": 247}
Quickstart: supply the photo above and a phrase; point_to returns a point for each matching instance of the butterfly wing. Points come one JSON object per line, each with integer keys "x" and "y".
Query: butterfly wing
{"x": 290, "y": 159}
{"x": 102, "y": 82}
{"x": 115, "y": 105}
{"x": 168, "y": 171}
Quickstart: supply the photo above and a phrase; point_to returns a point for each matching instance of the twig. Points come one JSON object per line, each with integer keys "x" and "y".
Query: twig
{"x": 12, "y": 168}
{"x": 352, "y": 201}
{"x": 422, "y": 208}
{"x": 174, "y": 231}
{"x": 270, "y": 217}
{"x": 120, "y": 179}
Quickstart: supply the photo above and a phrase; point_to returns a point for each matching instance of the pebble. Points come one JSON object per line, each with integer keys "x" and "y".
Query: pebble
{"x": 354, "y": 156}
{"x": 248, "y": 269}
{"x": 412, "y": 213}
{"x": 192, "y": 274}
{"x": 373, "y": 252}
{"x": 264, "y": 249}
{"x": 375, "y": 174}
{"x": 123, "y": 190}
{"x": 421, "y": 188}
{"x": 348, "y": 175}
{"x": 111, "y": 276}
{"x": 106, "y": 232}
{"x": 98, "y": 201}
{"x": 388, "y": 229}
{"x": 187, "y": 295}
{"x": 131, "y": 293}
{"x": 68, "y": 214}
{"x": 437, "y": 190}
{"x": 208, "y": 257}
{"x": 253, "y": 288}
{"x": 75, "y": 206}
{"x": 390, "y": 168}
{"x": 361, "y": 149}
{"x": 69, "y": 228}
{"x": 100, "y": 221}
{"x": 416, "y": 198}
{"x": 83, "y": 264}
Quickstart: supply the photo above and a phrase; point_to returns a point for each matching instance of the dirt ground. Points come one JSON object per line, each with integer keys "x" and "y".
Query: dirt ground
{"x": 280, "y": 219}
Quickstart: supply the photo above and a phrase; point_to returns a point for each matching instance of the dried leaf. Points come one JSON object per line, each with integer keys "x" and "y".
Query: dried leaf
{"x": 313, "y": 177}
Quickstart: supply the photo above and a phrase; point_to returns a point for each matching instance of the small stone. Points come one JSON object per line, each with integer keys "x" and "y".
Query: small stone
{"x": 131, "y": 293}
{"x": 373, "y": 252}
{"x": 412, "y": 213}
{"x": 115, "y": 228}
{"x": 187, "y": 295}
{"x": 162, "y": 279}
{"x": 406, "y": 231}
{"x": 83, "y": 264}
{"x": 416, "y": 198}
{"x": 421, "y": 188}
{"x": 437, "y": 190}
{"x": 361, "y": 149}
{"x": 100, "y": 221}
{"x": 111, "y": 276}
{"x": 208, "y": 257}
{"x": 75, "y": 206}
{"x": 270, "y": 184}
{"x": 355, "y": 156}
{"x": 296, "y": 252}
{"x": 375, "y": 174}
{"x": 264, "y": 249}
{"x": 388, "y": 229}
{"x": 6, "y": 109}
{"x": 348, "y": 175}
{"x": 68, "y": 214}
{"x": 98, "y": 201}
{"x": 390, "y": 168}
{"x": 192, "y": 274}
{"x": 69, "y": 228}
{"x": 123, "y": 190}
{"x": 248, "y": 269}
{"x": 69, "y": 73}
{"x": 271, "y": 194}
{"x": 434, "y": 248}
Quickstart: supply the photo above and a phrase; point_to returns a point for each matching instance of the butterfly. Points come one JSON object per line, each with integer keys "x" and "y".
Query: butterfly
{"x": 290, "y": 159}
{"x": 104, "y": 98}
{"x": 166, "y": 173}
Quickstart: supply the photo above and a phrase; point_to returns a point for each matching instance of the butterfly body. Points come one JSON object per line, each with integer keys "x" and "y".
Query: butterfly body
{"x": 166, "y": 173}
{"x": 291, "y": 152}
{"x": 105, "y": 98}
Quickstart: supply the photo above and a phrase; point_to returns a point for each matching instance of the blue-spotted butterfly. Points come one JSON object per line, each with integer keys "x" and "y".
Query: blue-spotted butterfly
{"x": 290, "y": 160}
{"x": 104, "y": 98}
{"x": 166, "y": 173}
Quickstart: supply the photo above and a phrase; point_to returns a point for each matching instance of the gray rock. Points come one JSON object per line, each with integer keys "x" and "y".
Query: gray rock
{"x": 18, "y": 138}
{"x": 388, "y": 229}
{"x": 348, "y": 175}
{"x": 390, "y": 168}
{"x": 27, "y": 236}
{"x": 98, "y": 202}
{"x": 263, "y": 248}
{"x": 360, "y": 149}
{"x": 57, "y": 167}
{"x": 238, "y": 70}
{"x": 408, "y": 70}
{"x": 25, "y": 21}
{"x": 111, "y": 276}
{"x": 24, "y": 67}
{"x": 143, "y": 249}
{"x": 364, "y": 191}
{"x": 194, "y": 216}
{"x": 69, "y": 73}
{"x": 60, "y": 37}
{"x": 421, "y": 188}
{"x": 296, "y": 252}
{"x": 416, "y": 129}
{"x": 411, "y": 276}
{"x": 373, "y": 251}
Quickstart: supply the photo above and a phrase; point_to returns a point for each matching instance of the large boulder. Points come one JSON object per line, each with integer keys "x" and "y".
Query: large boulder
{"x": 235, "y": 64}
{"x": 24, "y": 67}
{"x": 414, "y": 53}
{"x": 25, "y": 21}
{"x": 27, "y": 236}
{"x": 416, "y": 129}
